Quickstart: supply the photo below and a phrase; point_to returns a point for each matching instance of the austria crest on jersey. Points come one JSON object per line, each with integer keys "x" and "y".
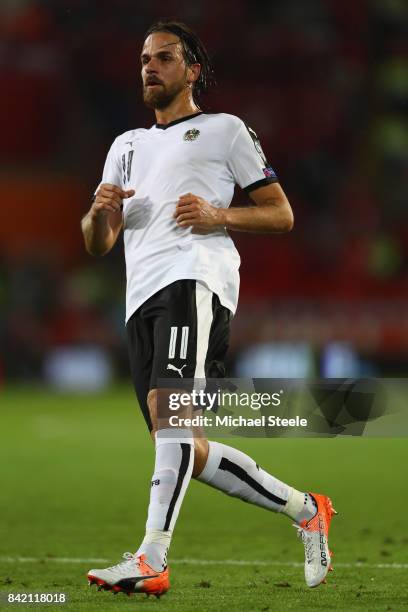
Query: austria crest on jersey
{"x": 191, "y": 134}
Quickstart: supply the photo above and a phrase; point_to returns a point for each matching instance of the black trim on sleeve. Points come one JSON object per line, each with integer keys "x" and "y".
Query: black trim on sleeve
{"x": 262, "y": 183}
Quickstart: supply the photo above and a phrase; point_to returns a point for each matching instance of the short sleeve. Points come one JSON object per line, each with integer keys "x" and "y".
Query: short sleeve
{"x": 247, "y": 161}
{"x": 112, "y": 172}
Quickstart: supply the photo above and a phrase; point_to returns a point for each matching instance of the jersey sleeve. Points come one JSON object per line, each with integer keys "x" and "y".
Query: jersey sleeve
{"x": 112, "y": 170}
{"x": 247, "y": 161}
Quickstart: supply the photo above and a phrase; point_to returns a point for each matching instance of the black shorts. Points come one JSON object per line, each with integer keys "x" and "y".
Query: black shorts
{"x": 181, "y": 331}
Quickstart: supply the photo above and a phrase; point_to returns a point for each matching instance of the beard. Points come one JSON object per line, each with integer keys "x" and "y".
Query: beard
{"x": 161, "y": 97}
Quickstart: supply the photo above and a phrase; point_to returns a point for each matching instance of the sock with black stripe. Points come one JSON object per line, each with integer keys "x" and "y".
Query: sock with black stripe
{"x": 172, "y": 474}
{"x": 235, "y": 473}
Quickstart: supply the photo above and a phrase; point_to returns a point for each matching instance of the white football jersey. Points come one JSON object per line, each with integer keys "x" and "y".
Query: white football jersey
{"x": 202, "y": 154}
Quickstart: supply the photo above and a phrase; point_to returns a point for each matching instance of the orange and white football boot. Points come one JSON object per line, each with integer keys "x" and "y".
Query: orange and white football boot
{"x": 315, "y": 537}
{"x": 132, "y": 575}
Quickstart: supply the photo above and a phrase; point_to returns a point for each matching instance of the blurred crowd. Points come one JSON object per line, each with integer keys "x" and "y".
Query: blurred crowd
{"x": 325, "y": 85}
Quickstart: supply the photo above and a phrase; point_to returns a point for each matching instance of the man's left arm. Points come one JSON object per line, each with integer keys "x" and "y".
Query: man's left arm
{"x": 271, "y": 213}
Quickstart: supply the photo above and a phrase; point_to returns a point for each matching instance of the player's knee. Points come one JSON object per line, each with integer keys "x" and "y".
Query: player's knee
{"x": 158, "y": 403}
{"x": 200, "y": 443}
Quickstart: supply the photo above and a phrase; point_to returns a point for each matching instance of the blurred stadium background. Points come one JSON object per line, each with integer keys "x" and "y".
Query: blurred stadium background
{"x": 325, "y": 85}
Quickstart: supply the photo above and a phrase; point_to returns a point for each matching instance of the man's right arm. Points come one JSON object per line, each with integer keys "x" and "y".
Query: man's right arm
{"x": 102, "y": 224}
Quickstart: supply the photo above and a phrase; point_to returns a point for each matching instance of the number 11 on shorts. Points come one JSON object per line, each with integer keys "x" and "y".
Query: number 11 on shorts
{"x": 173, "y": 342}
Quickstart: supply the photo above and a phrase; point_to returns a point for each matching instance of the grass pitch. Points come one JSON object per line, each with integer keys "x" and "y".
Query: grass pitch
{"x": 75, "y": 486}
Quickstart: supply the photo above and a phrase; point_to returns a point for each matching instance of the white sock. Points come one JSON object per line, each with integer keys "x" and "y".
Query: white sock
{"x": 155, "y": 546}
{"x": 233, "y": 472}
{"x": 172, "y": 474}
{"x": 300, "y": 506}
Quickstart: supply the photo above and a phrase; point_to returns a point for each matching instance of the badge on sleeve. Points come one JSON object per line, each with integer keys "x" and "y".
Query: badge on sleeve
{"x": 257, "y": 144}
{"x": 269, "y": 172}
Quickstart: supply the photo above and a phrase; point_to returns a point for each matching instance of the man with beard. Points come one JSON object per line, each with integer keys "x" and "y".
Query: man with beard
{"x": 169, "y": 187}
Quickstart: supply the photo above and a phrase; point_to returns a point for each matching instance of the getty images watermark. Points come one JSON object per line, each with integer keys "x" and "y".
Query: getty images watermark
{"x": 264, "y": 407}
{"x": 208, "y": 401}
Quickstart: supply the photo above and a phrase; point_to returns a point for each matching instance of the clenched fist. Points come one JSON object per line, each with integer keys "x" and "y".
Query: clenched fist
{"x": 193, "y": 211}
{"x": 108, "y": 199}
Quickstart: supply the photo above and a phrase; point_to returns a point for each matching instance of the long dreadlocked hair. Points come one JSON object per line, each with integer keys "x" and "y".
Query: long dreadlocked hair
{"x": 194, "y": 53}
